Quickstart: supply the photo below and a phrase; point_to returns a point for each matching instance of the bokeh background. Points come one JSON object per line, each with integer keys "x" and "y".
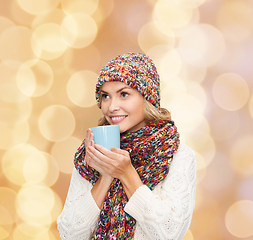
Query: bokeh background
{"x": 51, "y": 52}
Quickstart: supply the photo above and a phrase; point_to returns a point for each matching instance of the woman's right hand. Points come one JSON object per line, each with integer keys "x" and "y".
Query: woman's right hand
{"x": 100, "y": 188}
{"x": 89, "y": 141}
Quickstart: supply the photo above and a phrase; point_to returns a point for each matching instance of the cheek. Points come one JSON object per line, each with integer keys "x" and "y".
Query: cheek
{"x": 140, "y": 106}
{"x": 103, "y": 108}
{"x": 138, "y": 109}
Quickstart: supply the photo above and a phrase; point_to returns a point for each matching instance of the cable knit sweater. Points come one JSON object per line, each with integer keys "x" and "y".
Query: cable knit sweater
{"x": 162, "y": 214}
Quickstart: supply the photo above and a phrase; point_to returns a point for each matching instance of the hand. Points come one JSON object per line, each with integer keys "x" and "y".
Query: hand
{"x": 89, "y": 142}
{"x": 115, "y": 163}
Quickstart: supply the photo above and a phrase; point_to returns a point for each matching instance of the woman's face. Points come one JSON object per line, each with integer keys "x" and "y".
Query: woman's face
{"x": 123, "y": 106}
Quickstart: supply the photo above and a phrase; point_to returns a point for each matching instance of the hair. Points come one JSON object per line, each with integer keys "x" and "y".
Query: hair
{"x": 151, "y": 114}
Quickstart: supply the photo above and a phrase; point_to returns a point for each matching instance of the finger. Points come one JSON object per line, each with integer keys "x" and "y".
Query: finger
{"x": 88, "y": 134}
{"x": 94, "y": 151}
{"x": 106, "y": 152}
{"x": 92, "y": 143}
{"x": 92, "y": 139}
{"x": 98, "y": 157}
{"x": 87, "y": 158}
{"x": 119, "y": 151}
{"x": 93, "y": 163}
{"x": 89, "y": 137}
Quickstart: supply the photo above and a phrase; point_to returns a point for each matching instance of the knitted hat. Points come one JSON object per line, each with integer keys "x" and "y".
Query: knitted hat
{"x": 136, "y": 70}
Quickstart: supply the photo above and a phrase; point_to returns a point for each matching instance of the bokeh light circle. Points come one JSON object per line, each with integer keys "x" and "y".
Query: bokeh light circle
{"x": 241, "y": 155}
{"x": 31, "y": 231}
{"x": 169, "y": 14}
{"x": 39, "y": 6}
{"x": 150, "y": 36}
{"x": 64, "y": 152}
{"x": 10, "y": 50}
{"x": 34, "y": 78}
{"x": 15, "y": 113}
{"x": 55, "y": 16}
{"x": 57, "y": 208}
{"x": 188, "y": 235}
{"x": 78, "y": 30}
{"x": 224, "y": 176}
{"x": 188, "y": 116}
{"x": 243, "y": 190}
{"x": 170, "y": 89}
{"x": 234, "y": 18}
{"x": 79, "y": 88}
{"x": 197, "y": 91}
{"x": 53, "y": 171}
{"x": 56, "y": 123}
{"x": 230, "y": 91}
{"x": 169, "y": 65}
{"x": 204, "y": 145}
{"x": 225, "y": 125}
{"x": 193, "y": 73}
{"x": 75, "y": 6}
{"x": 35, "y": 168}
{"x": 26, "y": 81}
{"x": 191, "y": 3}
{"x": 18, "y": 169}
{"x": 239, "y": 219}
{"x": 197, "y": 45}
{"x": 47, "y": 41}
{"x": 159, "y": 52}
{"x": 13, "y": 134}
{"x": 35, "y": 203}
{"x": 9, "y": 91}
{"x": 5, "y": 23}
{"x": 7, "y": 207}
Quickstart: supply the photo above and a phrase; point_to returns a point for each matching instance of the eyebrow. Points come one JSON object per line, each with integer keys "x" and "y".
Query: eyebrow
{"x": 102, "y": 91}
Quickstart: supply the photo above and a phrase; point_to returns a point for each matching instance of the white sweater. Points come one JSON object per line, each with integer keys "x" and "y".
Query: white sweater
{"x": 163, "y": 214}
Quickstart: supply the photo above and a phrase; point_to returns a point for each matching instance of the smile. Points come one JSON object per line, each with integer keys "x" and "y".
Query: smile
{"x": 117, "y": 119}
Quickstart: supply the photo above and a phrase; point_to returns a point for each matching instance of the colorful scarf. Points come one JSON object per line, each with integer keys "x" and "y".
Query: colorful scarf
{"x": 151, "y": 150}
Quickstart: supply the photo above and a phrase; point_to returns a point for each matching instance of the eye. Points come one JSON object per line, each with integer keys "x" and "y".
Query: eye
{"x": 124, "y": 94}
{"x": 104, "y": 96}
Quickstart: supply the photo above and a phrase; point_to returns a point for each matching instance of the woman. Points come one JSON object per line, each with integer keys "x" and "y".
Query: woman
{"x": 145, "y": 189}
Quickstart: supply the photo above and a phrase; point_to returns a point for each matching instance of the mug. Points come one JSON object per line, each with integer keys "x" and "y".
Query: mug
{"x": 107, "y": 136}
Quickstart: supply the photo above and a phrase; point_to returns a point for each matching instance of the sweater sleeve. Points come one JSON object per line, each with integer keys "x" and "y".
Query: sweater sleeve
{"x": 165, "y": 213}
{"x": 80, "y": 213}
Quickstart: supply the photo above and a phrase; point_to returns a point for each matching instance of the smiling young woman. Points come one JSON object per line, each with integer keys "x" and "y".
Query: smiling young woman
{"x": 145, "y": 189}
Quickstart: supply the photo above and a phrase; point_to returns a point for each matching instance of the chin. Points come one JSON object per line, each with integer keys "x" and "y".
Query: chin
{"x": 123, "y": 129}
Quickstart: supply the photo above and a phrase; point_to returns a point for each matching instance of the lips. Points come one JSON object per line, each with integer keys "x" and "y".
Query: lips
{"x": 117, "y": 119}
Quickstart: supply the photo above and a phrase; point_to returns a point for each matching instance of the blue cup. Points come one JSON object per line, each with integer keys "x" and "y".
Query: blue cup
{"x": 107, "y": 136}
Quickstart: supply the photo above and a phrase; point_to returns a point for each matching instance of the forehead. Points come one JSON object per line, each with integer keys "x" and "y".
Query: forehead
{"x": 114, "y": 86}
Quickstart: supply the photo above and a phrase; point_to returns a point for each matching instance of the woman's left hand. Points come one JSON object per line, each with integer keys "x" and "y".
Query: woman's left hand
{"x": 115, "y": 162}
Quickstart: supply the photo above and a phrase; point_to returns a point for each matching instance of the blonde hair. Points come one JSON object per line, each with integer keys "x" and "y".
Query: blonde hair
{"x": 151, "y": 114}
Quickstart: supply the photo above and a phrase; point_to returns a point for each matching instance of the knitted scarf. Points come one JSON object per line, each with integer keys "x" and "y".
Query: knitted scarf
{"x": 151, "y": 150}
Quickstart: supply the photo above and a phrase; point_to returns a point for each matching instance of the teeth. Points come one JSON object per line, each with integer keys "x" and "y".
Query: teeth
{"x": 117, "y": 118}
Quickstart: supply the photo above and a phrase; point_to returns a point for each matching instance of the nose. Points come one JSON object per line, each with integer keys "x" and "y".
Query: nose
{"x": 114, "y": 105}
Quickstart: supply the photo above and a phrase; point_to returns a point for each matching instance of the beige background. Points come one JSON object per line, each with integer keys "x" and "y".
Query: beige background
{"x": 51, "y": 52}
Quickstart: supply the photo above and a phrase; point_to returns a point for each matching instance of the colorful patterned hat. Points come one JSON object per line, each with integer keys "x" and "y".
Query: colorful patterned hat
{"x": 136, "y": 70}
